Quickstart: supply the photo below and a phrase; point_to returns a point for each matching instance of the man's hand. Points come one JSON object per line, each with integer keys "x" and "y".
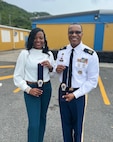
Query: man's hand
{"x": 68, "y": 97}
{"x": 60, "y": 68}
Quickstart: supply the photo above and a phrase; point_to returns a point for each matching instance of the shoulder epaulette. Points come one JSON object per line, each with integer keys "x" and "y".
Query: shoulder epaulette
{"x": 63, "y": 48}
{"x": 88, "y": 51}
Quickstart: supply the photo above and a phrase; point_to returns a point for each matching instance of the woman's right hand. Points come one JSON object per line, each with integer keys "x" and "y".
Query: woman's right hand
{"x": 35, "y": 92}
{"x": 60, "y": 68}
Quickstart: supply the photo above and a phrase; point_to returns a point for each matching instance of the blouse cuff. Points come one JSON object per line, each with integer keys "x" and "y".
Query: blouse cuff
{"x": 27, "y": 90}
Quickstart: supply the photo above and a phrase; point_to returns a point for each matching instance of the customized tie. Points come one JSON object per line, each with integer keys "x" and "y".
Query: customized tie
{"x": 40, "y": 75}
{"x": 70, "y": 69}
{"x": 64, "y": 79}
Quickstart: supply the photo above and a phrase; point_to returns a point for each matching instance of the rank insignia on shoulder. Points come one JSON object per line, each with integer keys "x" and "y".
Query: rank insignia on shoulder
{"x": 89, "y": 51}
{"x": 63, "y": 48}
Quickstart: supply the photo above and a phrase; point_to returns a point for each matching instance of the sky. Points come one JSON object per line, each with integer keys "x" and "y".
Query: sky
{"x": 59, "y": 7}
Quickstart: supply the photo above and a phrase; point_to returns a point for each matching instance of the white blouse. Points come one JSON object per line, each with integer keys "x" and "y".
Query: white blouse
{"x": 26, "y": 67}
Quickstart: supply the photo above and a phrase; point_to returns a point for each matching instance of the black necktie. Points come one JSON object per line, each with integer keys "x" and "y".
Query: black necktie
{"x": 70, "y": 69}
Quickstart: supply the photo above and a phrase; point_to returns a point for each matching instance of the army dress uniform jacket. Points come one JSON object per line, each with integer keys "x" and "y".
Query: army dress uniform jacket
{"x": 85, "y": 67}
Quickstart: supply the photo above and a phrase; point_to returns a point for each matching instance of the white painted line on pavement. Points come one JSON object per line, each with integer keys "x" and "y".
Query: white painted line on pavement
{"x": 0, "y": 84}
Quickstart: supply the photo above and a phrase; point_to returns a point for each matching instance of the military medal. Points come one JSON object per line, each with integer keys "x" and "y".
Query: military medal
{"x": 80, "y": 72}
{"x": 40, "y": 83}
{"x": 63, "y": 86}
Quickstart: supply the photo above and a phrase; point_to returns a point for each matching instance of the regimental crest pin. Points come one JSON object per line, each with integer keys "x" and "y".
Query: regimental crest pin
{"x": 79, "y": 72}
{"x": 61, "y": 59}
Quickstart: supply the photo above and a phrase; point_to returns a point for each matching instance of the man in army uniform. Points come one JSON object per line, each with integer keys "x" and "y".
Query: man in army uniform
{"x": 82, "y": 76}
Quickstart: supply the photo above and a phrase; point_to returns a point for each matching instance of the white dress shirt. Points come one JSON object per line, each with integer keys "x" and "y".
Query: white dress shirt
{"x": 85, "y": 68}
{"x": 26, "y": 67}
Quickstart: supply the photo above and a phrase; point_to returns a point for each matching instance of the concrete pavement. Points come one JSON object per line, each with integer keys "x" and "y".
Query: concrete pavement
{"x": 13, "y": 117}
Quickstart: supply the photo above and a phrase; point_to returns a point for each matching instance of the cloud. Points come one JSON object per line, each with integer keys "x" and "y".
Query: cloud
{"x": 94, "y": 1}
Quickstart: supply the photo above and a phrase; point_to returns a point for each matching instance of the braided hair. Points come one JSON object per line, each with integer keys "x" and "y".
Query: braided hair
{"x": 30, "y": 41}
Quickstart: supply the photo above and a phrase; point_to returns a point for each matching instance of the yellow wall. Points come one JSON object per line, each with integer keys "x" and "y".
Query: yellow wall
{"x": 12, "y": 44}
{"x": 20, "y": 43}
{"x": 5, "y": 45}
{"x": 88, "y": 34}
{"x": 108, "y": 38}
{"x": 57, "y": 35}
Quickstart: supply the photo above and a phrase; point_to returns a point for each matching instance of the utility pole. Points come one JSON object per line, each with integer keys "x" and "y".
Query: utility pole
{"x": 0, "y": 19}
{"x": 10, "y": 19}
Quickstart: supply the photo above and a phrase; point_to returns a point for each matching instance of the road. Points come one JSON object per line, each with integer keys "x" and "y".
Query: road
{"x": 98, "y": 126}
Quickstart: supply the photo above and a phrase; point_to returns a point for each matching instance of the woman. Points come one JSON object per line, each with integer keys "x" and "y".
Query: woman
{"x": 25, "y": 76}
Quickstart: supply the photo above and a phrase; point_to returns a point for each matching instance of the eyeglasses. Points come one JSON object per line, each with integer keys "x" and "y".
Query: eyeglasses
{"x": 76, "y": 32}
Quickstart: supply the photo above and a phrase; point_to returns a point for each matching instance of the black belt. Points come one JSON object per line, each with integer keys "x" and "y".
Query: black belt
{"x": 70, "y": 89}
{"x": 28, "y": 82}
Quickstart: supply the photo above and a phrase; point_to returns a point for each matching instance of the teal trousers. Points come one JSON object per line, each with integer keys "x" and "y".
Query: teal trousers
{"x": 36, "y": 110}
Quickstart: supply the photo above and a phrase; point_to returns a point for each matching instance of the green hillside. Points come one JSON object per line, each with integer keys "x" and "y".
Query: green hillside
{"x": 14, "y": 16}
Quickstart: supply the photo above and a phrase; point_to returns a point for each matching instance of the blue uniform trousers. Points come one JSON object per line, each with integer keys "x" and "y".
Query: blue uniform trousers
{"x": 37, "y": 110}
{"x": 72, "y": 118}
